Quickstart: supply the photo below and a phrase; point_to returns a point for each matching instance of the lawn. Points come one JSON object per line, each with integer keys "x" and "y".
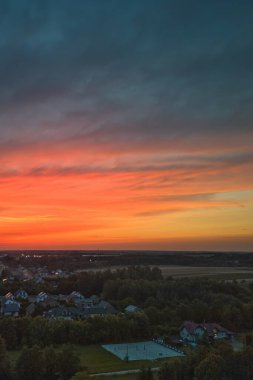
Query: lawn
{"x": 215, "y": 272}
{"x": 225, "y": 273}
{"x": 97, "y": 360}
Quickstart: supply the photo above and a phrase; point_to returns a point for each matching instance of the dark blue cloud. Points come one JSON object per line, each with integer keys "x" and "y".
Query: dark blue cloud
{"x": 153, "y": 68}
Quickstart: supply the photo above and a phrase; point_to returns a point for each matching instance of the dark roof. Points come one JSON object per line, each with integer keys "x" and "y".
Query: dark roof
{"x": 189, "y": 326}
{"x": 61, "y": 312}
{"x": 75, "y": 312}
{"x": 30, "y": 308}
{"x": 49, "y": 302}
{"x": 58, "y": 312}
{"x": 11, "y": 308}
{"x": 211, "y": 328}
{"x": 102, "y": 308}
{"x": 96, "y": 310}
{"x": 95, "y": 298}
{"x": 107, "y": 306}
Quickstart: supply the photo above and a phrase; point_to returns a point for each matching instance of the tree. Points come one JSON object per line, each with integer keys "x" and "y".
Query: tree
{"x": 31, "y": 364}
{"x": 8, "y": 332}
{"x": 68, "y": 363}
{"x": 4, "y": 362}
{"x": 155, "y": 316}
{"x": 210, "y": 368}
{"x": 80, "y": 376}
{"x": 50, "y": 364}
{"x": 244, "y": 361}
{"x": 145, "y": 374}
{"x": 173, "y": 370}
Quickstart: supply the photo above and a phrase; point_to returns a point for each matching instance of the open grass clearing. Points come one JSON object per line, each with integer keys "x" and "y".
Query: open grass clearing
{"x": 180, "y": 271}
{"x": 96, "y": 359}
{"x": 213, "y": 272}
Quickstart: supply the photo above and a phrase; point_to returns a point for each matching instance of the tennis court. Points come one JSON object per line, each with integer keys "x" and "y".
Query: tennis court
{"x": 149, "y": 350}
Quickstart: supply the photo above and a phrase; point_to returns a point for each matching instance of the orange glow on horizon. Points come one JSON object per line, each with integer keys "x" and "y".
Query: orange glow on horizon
{"x": 123, "y": 200}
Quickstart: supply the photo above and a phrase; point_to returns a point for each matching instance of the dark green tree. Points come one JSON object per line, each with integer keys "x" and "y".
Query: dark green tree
{"x": 80, "y": 376}
{"x": 68, "y": 363}
{"x": 146, "y": 374}
{"x": 51, "y": 370}
{"x": 210, "y": 368}
{"x": 31, "y": 364}
{"x": 173, "y": 370}
{"x": 5, "y": 373}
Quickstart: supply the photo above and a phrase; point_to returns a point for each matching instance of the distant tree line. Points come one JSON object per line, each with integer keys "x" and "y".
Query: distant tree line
{"x": 167, "y": 302}
{"x": 68, "y": 260}
{"x": 18, "y": 332}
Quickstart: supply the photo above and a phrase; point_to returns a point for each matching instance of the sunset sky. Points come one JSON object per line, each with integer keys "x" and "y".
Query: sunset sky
{"x": 126, "y": 124}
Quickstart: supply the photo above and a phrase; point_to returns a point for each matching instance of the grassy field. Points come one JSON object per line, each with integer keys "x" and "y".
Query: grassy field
{"x": 178, "y": 271}
{"x": 97, "y": 360}
{"x": 212, "y": 272}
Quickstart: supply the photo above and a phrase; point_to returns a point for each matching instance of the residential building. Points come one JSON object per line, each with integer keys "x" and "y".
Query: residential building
{"x": 193, "y": 332}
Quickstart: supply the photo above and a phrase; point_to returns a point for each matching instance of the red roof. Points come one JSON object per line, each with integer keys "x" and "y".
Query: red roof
{"x": 189, "y": 326}
{"x": 210, "y": 328}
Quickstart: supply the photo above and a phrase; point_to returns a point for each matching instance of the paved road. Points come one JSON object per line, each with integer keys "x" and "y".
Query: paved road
{"x": 126, "y": 372}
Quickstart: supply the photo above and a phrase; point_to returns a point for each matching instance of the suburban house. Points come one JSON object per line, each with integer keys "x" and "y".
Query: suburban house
{"x": 62, "y": 312}
{"x": 193, "y": 332}
{"x": 102, "y": 308}
{"x": 9, "y": 307}
{"x": 62, "y": 298}
{"x": 75, "y": 296}
{"x": 49, "y": 301}
{"x": 83, "y": 302}
{"x": 41, "y": 297}
{"x": 95, "y": 299}
{"x": 32, "y": 298}
{"x": 57, "y": 306}
{"x": 87, "y": 301}
{"x": 21, "y": 294}
{"x": 132, "y": 309}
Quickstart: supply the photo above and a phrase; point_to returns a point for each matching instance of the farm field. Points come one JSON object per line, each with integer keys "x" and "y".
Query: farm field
{"x": 180, "y": 271}
{"x": 221, "y": 272}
